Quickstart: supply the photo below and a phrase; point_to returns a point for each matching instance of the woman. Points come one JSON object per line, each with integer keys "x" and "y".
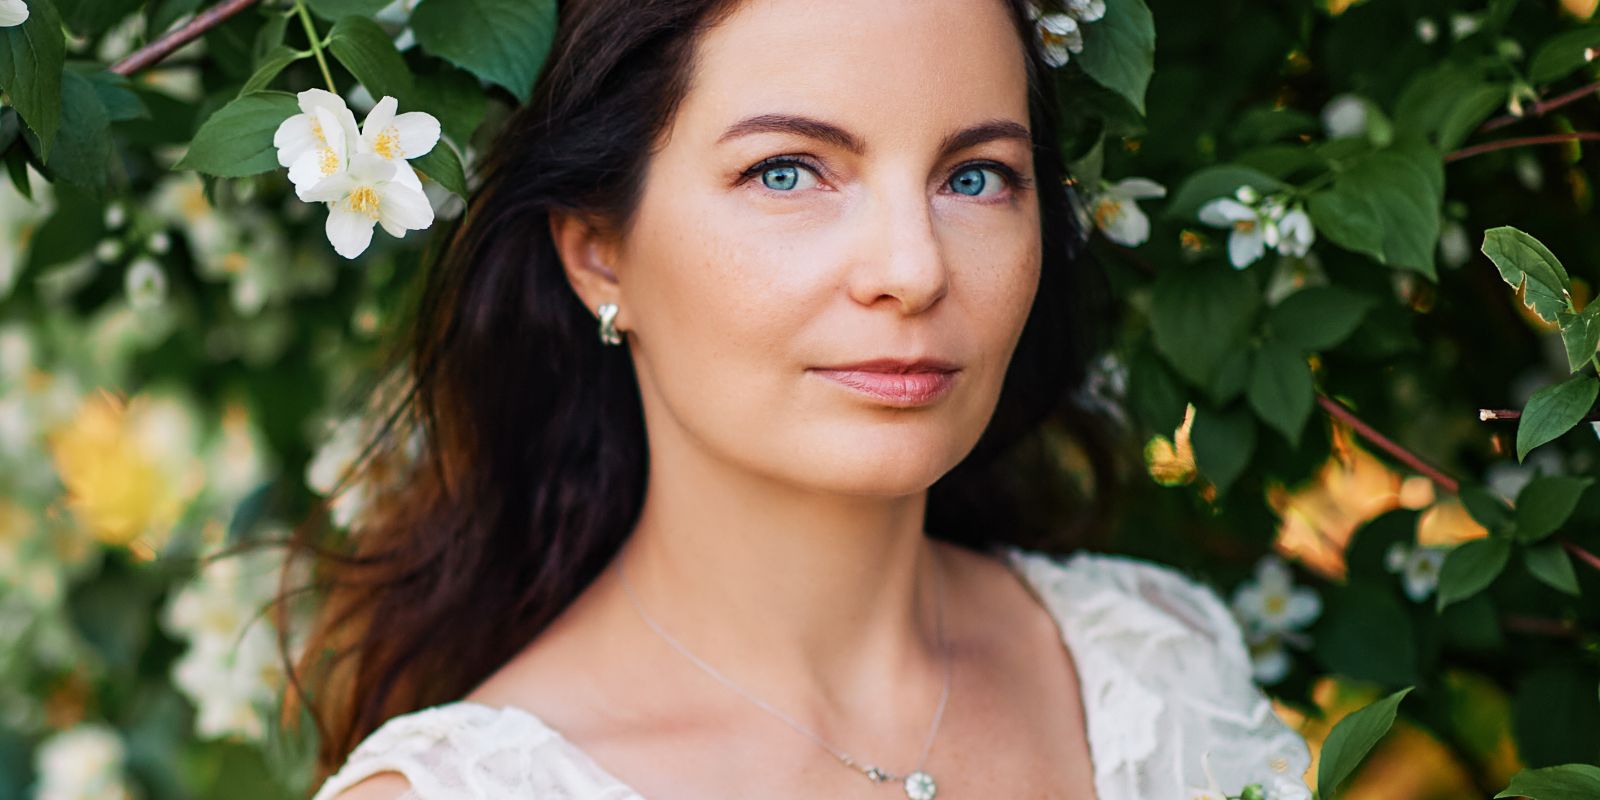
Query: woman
{"x": 752, "y": 294}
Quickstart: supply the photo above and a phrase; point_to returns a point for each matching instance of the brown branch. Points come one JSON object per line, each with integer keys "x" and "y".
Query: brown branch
{"x": 178, "y": 37}
{"x": 1540, "y": 108}
{"x": 1410, "y": 459}
{"x": 1508, "y": 414}
{"x": 1539, "y": 626}
{"x": 1579, "y": 553}
{"x": 1522, "y": 141}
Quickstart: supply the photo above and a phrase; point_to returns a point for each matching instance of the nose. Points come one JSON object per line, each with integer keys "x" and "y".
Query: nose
{"x": 900, "y": 257}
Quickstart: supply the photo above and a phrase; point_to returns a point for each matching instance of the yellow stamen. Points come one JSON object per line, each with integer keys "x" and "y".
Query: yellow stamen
{"x": 1107, "y": 212}
{"x": 330, "y": 161}
{"x": 364, "y": 200}
{"x": 388, "y": 143}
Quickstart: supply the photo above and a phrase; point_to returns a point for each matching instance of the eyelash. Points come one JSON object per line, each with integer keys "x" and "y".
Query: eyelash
{"x": 1016, "y": 180}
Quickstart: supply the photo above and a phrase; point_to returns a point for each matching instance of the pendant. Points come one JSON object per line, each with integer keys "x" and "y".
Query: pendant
{"x": 919, "y": 785}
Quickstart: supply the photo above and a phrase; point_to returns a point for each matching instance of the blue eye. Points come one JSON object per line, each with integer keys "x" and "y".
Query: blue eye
{"x": 783, "y": 177}
{"x": 972, "y": 182}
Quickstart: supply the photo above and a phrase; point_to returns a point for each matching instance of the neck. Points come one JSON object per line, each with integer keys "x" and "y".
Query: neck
{"x": 819, "y": 599}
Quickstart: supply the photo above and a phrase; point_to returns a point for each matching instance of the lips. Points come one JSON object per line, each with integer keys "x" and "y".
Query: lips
{"x": 894, "y": 382}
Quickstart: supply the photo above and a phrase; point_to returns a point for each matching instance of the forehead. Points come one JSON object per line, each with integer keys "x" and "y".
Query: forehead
{"x": 908, "y": 70}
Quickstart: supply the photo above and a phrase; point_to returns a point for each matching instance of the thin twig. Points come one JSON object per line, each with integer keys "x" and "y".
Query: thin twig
{"x": 1410, "y": 459}
{"x": 1523, "y": 141}
{"x": 1540, "y": 108}
{"x": 1511, "y": 414}
{"x": 178, "y": 37}
{"x": 1579, "y": 553}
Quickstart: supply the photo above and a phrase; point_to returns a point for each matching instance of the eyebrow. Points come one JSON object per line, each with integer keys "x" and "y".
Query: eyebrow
{"x": 812, "y": 128}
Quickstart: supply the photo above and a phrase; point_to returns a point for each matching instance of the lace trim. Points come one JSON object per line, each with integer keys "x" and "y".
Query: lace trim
{"x": 1166, "y": 684}
{"x": 1166, "y": 681}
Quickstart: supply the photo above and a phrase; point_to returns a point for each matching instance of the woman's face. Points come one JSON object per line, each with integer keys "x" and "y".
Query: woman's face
{"x": 836, "y": 188}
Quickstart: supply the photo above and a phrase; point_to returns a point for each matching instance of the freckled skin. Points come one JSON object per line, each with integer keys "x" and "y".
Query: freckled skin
{"x": 781, "y": 537}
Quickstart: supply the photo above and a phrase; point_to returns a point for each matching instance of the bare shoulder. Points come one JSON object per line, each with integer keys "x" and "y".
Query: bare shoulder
{"x": 381, "y": 786}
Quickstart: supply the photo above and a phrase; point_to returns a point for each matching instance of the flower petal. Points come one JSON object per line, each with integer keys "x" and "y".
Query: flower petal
{"x": 418, "y": 131}
{"x": 1224, "y": 211}
{"x": 403, "y": 209}
{"x": 1244, "y": 248}
{"x": 348, "y": 231}
{"x": 1138, "y": 189}
{"x": 294, "y": 137}
{"x": 13, "y": 12}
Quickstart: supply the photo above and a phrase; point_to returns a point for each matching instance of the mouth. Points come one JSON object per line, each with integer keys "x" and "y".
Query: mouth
{"x": 895, "y": 382}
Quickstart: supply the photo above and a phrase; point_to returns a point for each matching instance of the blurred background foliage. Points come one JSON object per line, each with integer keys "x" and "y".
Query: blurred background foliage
{"x": 1342, "y": 405}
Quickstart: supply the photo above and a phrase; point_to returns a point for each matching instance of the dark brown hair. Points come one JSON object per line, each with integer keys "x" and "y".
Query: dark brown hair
{"x": 533, "y": 461}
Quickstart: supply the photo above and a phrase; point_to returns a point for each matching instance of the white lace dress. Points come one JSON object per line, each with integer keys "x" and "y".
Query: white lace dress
{"x": 1168, "y": 700}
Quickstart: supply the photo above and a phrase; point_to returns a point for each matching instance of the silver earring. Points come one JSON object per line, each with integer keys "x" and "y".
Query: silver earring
{"x": 608, "y": 330}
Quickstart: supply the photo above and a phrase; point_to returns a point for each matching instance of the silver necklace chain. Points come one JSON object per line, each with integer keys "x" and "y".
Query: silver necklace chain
{"x": 874, "y": 773}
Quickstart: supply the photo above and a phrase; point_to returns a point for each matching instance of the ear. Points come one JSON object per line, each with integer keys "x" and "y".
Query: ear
{"x": 588, "y": 255}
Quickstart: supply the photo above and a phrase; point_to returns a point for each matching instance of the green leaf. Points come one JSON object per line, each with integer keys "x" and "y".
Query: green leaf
{"x": 1217, "y": 181}
{"x": 1526, "y": 264}
{"x": 1563, "y": 54}
{"x": 455, "y": 98}
{"x": 1154, "y": 393}
{"x": 1554, "y": 410}
{"x": 1350, "y": 741}
{"x": 1198, "y": 314}
{"x": 1405, "y": 185}
{"x": 1486, "y": 508}
{"x": 83, "y": 145}
{"x": 1318, "y": 317}
{"x": 116, "y": 94}
{"x": 1580, "y": 334}
{"x": 1555, "y": 712}
{"x": 1119, "y": 49}
{"x": 1564, "y": 782}
{"x": 237, "y": 140}
{"x": 1545, "y": 504}
{"x": 443, "y": 166}
{"x": 364, "y": 49}
{"x": 1223, "y": 442}
{"x": 1471, "y": 567}
{"x": 338, "y": 9}
{"x": 1550, "y": 564}
{"x": 1345, "y": 215}
{"x": 1469, "y": 111}
{"x": 1232, "y": 376}
{"x": 268, "y": 68}
{"x": 502, "y": 41}
{"x": 1367, "y": 634}
{"x": 1281, "y": 389}
{"x": 31, "y": 56}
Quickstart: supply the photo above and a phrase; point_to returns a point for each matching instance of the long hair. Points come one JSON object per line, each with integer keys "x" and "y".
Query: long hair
{"x": 531, "y": 467}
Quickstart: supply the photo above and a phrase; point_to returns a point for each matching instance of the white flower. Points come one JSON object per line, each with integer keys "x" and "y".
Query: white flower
{"x": 1345, "y": 116}
{"x": 1427, "y": 30}
{"x": 1418, "y": 567}
{"x": 1117, "y": 214}
{"x": 335, "y": 458}
{"x": 1259, "y": 223}
{"x": 314, "y": 144}
{"x": 81, "y": 763}
{"x": 1086, "y": 10}
{"x": 1283, "y": 788}
{"x": 231, "y": 670}
{"x": 397, "y": 137}
{"x": 13, "y": 12}
{"x": 1293, "y": 233}
{"x": 1455, "y": 248}
{"x": 1271, "y": 603}
{"x": 372, "y": 190}
{"x": 1271, "y": 611}
{"x": 1464, "y": 25}
{"x": 1060, "y": 35}
{"x": 145, "y": 284}
{"x": 1247, "y": 242}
